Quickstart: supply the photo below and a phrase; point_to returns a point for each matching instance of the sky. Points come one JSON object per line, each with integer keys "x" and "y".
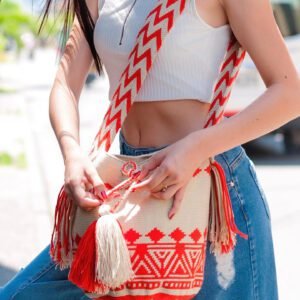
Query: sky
{"x": 31, "y": 5}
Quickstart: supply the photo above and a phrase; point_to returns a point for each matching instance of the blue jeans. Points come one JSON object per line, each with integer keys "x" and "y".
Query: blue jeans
{"x": 248, "y": 274}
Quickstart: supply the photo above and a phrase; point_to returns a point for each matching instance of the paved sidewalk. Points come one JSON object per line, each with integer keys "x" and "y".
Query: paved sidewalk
{"x": 24, "y": 210}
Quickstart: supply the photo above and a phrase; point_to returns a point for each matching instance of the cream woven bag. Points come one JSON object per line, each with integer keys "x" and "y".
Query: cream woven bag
{"x": 128, "y": 247}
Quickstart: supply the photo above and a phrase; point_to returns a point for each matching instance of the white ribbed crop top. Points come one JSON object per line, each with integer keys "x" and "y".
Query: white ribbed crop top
{"x": 187, "y": 64}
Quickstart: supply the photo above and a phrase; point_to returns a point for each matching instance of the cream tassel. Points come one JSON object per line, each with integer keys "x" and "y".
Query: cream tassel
{"x": 113, "y": 264}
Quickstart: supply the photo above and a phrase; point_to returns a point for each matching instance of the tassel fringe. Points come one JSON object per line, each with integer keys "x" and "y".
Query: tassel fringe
{"x": 113, "y": 266}
{"x": 82, "y": 272}
{"x": 102, "y": 260}
{"x": 222, "y": 228}
{"x": 61, "y": 238}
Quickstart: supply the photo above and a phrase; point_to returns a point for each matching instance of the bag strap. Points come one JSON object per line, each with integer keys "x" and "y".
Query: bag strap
{"x": 158, "y": 23}
{"x": 228, "y": 73}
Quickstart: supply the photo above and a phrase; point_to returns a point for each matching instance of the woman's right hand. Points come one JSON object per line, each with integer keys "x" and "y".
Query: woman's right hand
{"x": 80, "y": 177}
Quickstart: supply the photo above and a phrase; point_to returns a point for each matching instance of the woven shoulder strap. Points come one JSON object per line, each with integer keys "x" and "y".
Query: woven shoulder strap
{"x": 148, "y": 42}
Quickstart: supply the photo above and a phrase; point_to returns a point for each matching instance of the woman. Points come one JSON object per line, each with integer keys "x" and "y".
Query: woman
{"x": 156, "y": 121}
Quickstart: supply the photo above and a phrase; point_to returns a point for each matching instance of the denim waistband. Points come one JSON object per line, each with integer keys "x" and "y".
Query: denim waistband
{"x": 132, "y": 150}
{"x": 231, "y": 156}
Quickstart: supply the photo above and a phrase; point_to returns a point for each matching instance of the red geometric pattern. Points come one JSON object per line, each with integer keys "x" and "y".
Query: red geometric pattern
{"x": 196, "y": 235}
{"x": 208, "y": 169}
{"x": 171, "y": 265}
{"x": 177, "y": 235}
{"x": 198, "y": 170}
{"x": 157, "y": 296}
{"x": 155, "y": 235}
{"x": 132, "y": 236}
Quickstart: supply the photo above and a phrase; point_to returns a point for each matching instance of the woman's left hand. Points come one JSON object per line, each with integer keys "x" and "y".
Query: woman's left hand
{"x": 172, "y": 167}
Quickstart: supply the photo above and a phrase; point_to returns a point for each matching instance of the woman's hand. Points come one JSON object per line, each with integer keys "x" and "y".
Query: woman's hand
{"x": 82, "y": 182}
{"x": 173, "y": 167}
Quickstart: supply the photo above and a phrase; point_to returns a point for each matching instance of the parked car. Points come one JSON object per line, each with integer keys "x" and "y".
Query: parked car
{"x": 249, "y": 84}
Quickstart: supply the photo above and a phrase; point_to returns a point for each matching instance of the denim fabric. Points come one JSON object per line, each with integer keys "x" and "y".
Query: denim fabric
{"x": 249, "y": 273}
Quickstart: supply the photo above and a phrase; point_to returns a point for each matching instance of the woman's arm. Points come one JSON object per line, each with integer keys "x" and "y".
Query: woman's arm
{"x": 64, "y": 115}
{"x": 65, "y": 93}
{"x": 254, "y": 26}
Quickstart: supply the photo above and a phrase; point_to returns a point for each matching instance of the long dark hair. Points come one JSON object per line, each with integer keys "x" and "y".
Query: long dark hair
{"x": 70, "y": 8}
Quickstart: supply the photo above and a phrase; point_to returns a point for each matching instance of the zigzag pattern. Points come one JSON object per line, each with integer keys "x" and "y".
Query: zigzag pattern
{"x": 149, "y": 40}
{"x": 234, "y": 57}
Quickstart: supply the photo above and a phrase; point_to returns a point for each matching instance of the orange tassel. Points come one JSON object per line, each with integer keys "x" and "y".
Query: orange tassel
{"x": 82, "y": 272}
{"x": 222, "y": 227}
{"x": 60, "y": 246}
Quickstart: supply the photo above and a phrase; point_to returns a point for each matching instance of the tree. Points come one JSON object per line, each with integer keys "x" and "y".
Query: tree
{"x": 14, "y": 22}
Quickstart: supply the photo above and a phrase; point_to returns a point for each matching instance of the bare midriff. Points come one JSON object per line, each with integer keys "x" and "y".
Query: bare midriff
{"x": 158, "y": 123}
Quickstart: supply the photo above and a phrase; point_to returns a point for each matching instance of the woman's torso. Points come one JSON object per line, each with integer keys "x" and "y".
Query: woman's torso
{"x": 156, "y": 123}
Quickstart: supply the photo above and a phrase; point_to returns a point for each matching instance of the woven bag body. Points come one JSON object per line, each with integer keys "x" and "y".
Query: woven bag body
{"x": 167, "y": 255}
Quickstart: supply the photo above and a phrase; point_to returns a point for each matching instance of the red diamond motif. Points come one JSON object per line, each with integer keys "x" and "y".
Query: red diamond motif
{"x": 131, "y": 235}
{"x": 177, "y": 235}
{"x": 197, "y": 171}
{"x": 196, "y": 235}
{"x": 208, "y": 169}
{"x": 155, "y": 235}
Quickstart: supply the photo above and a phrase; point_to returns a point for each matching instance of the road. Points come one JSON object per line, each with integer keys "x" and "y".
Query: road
{"x": 28, "y": 193}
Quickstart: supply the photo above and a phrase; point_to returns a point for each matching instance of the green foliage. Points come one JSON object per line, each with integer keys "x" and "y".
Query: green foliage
{"x": 7, "y": 160}
{"x": 14, "y": 21}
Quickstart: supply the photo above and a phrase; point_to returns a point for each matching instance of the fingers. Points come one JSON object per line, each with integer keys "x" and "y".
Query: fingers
{"x": 93, "y": 177}
{"x": 171, "y": 190}
{"x": 163, "y": 173}
{"x": 157, "y": 187}
{"x": 153, "y": 179}
{"x": 177, "y": 201}
{"x": 98, "y": 186}
{"x": 149, "y": 166}
{"x": 76, "y": 191}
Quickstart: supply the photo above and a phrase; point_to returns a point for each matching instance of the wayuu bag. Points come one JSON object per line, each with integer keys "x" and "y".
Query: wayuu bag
{"x": 128, "y": 247}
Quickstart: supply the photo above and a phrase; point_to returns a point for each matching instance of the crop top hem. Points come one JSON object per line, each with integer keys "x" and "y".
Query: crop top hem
{"x": 187, "y": 64}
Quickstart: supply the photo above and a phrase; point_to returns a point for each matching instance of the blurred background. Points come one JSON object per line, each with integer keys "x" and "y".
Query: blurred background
{"x": 31, "y": 166}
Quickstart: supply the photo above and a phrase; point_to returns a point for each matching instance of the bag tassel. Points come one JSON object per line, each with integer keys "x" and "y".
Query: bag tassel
{"x": 61, "y": 239}
{"x": 222, "y": 228}
{"x": 102, "y": 260}
{"x": 82, "y": 272}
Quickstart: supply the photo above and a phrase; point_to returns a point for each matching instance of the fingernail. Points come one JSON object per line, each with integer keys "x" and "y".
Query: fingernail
{"x": 172, "y": 215}
{"x": 103, "y": 194}
{"x": 136, "y": 173}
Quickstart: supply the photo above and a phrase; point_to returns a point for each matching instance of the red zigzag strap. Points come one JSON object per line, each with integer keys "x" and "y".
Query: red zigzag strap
{"x": 149, "y": 40}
